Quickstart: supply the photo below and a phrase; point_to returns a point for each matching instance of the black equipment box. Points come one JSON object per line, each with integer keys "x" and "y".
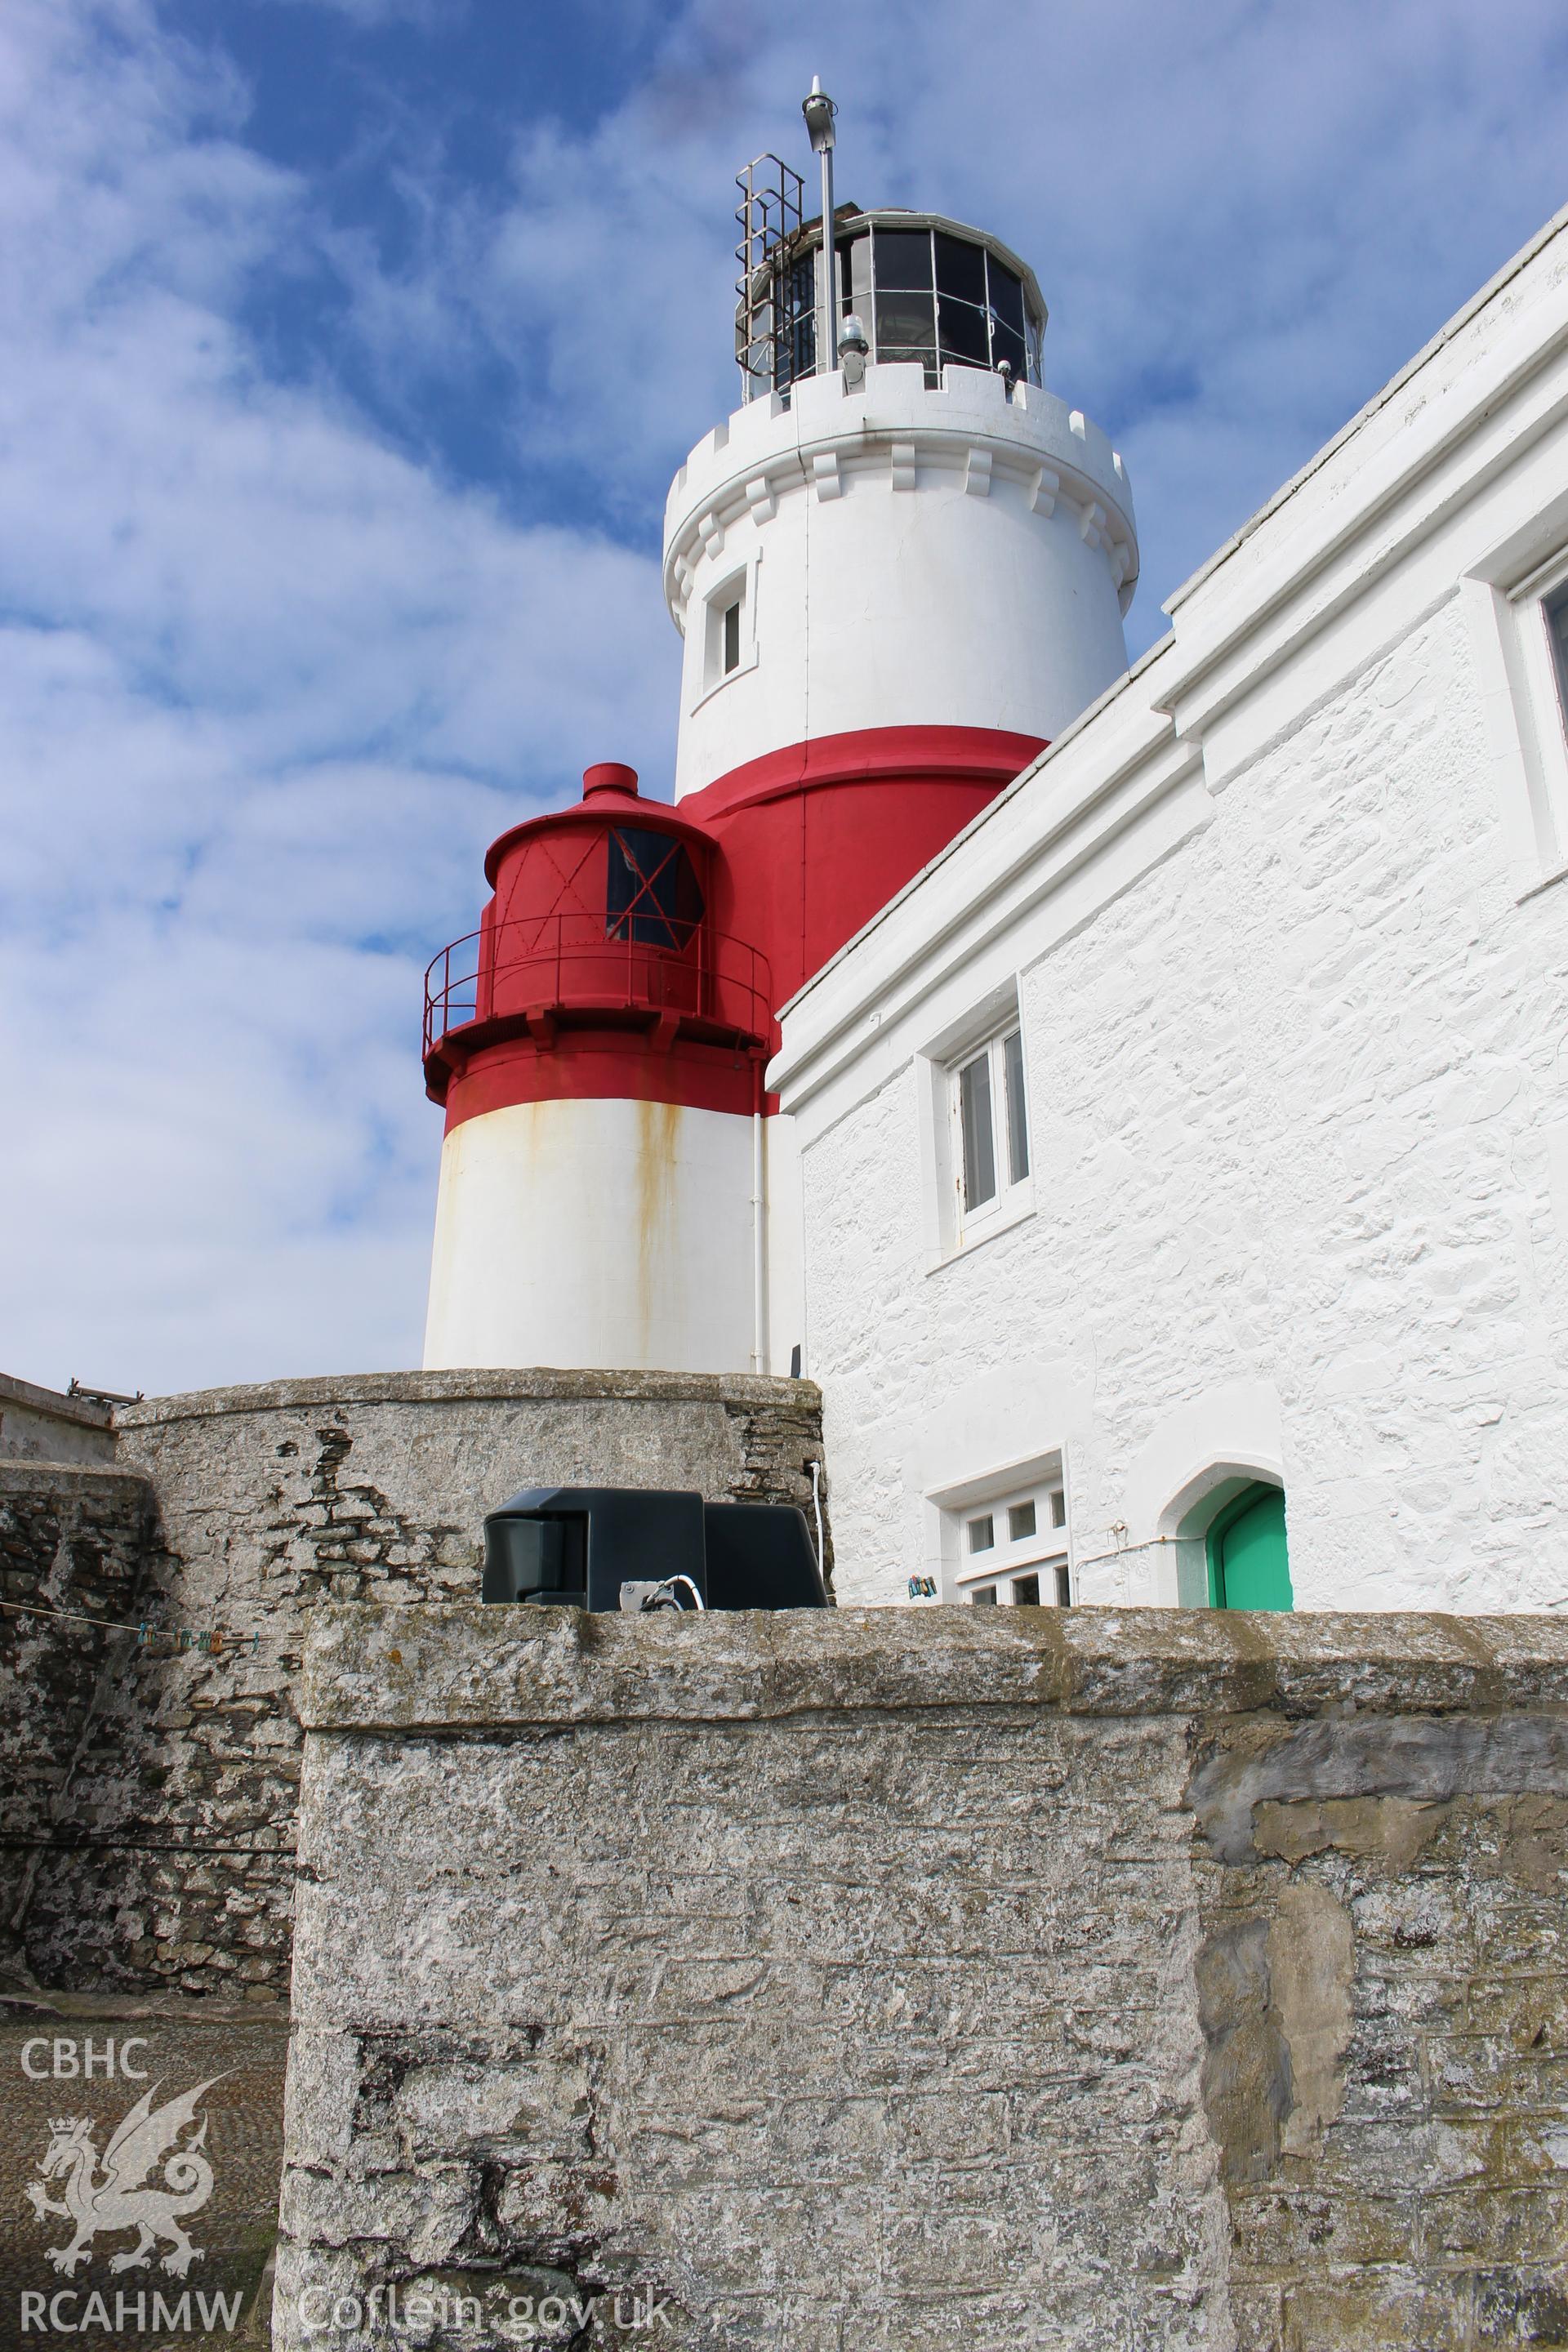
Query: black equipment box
{"x": 576, "y": 1547}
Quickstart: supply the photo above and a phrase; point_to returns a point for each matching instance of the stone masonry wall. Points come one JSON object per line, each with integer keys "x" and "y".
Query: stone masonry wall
{"x": 923, "y": 1980}
{"x": 271, "y": 1500}
{"x": 73, "y": 1547}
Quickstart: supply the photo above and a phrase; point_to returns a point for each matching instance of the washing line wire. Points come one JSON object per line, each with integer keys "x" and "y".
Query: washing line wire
{"x": 187, "y": 1637}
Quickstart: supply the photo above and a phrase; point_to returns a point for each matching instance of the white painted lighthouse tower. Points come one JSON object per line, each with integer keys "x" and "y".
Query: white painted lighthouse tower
{"x": 897, "y": 576}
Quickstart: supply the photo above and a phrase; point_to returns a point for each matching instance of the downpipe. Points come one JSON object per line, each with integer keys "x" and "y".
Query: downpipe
{"x": 759, "y": 1229}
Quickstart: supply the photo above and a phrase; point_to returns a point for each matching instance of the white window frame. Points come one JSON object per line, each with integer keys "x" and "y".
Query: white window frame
{"x": 737, "y": 587}
{"x": 961, "y": 1571}
{"x": 1011, "y": 1196}
{"x": 1525, "y": 699}
{"x": 1546, "y": 652}
{"x": 949, "y": 1228}
{"x": 1041, "y": 1551}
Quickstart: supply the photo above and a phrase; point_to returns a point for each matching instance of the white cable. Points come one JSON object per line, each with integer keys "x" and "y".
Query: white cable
{"x": 817, "y": 1506}
{"x": 1123, "y": 1550}
{"x": 663, "y": 1595}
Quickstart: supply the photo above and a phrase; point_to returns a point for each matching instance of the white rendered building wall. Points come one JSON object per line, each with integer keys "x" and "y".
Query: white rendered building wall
{"x": 615, "y": 1233}
{"x": 1292, "y": 997}
{"x": 903, "y": 557}
{"x": 1289, "y": 1168}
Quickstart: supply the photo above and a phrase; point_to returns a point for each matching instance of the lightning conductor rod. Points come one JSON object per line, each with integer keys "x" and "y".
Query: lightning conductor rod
{"x": 819, "y": 111}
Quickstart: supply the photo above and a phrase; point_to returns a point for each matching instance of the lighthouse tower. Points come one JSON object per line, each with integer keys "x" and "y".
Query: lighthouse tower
{"x": 898, "y": 575}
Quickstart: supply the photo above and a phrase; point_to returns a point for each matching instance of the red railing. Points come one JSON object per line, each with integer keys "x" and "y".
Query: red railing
{"x": 577, "y": 963}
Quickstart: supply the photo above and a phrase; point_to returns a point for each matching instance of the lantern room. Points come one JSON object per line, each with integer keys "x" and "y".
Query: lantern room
{"x": 909, "y": 288}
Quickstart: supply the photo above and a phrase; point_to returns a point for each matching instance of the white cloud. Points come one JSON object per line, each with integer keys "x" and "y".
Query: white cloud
{"x": 266, "y": 689}
{"x": 368, "y": 12}
{"x": 1245, "y": 220}
{"x": 269, "y": 681}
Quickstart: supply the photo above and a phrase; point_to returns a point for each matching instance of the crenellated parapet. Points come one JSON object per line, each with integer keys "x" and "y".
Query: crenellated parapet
{"x": 894, "y": 433}
{"x": 894, "y": 552}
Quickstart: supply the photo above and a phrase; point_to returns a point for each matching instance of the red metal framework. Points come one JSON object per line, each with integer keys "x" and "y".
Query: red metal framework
{"x": 541, "y": 970}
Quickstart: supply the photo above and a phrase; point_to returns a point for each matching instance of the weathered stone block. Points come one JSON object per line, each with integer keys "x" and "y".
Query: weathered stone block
{"x": 936, "y": 1979}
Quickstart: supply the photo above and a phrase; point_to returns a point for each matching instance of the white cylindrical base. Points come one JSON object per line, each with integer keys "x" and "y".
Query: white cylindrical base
{"x": 615, "y": 1235}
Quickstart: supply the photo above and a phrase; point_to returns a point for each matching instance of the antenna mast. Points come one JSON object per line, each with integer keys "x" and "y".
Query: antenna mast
{"x": 819, "y": 111}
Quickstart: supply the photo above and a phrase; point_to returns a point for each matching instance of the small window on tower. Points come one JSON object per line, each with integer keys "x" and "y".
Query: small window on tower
{"x": 728, "y": 641}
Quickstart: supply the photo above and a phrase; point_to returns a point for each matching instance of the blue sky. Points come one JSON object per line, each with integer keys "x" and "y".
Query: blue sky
{"x": 350, "y": 346}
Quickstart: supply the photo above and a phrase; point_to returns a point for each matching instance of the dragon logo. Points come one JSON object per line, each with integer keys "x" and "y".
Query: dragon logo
{"x": 122, "y": 2195}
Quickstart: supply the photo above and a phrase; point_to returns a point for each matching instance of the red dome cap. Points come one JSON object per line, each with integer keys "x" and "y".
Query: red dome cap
{"x": 609, "y": 776}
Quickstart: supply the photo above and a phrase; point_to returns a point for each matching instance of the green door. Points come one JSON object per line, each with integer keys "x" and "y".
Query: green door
{"x": 1248, "y": 1564}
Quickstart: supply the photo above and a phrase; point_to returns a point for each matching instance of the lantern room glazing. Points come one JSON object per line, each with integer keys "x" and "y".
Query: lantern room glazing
{"x": 925, "y": 291}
